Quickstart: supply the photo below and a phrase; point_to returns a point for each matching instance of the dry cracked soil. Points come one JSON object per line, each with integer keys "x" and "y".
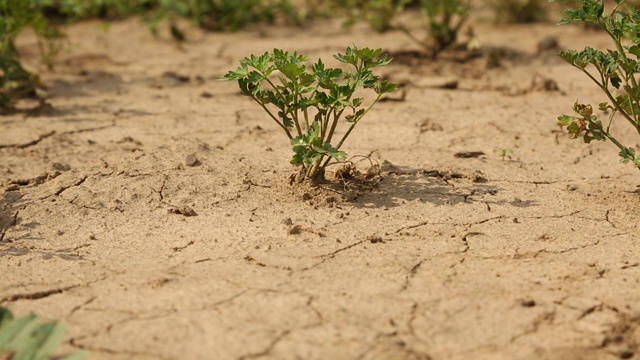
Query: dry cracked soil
{"x": 148, "y": 208}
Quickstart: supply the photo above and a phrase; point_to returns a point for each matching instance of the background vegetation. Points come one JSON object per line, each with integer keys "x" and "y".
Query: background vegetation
{"x": 442, "y": 19}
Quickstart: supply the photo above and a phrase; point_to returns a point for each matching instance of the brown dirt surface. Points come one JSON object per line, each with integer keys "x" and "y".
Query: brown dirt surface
{"x": 148, "y": 209}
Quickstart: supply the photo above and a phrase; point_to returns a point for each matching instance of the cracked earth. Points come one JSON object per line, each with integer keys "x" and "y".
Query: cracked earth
{"x": 149, "y": 210}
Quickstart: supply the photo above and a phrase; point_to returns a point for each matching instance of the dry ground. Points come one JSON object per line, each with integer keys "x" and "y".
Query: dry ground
{"x": 444, "y": 257}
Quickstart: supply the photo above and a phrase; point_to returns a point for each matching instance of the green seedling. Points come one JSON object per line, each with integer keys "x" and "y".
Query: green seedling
{"x": 444, "y": 19}
{"x": 15, "y": 81}
{"x": 27, "y": 338}
{"x": 219, "y": 15}
{"x": 308, "y": 102}
{"x": 503, "y": 152}
{"x": 379, "y": 13}
{"x": 616, "y": 72}
{"x": 518, "y": 11}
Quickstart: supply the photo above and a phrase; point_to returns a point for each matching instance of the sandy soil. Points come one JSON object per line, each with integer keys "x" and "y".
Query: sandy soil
{"x": 442, "y": 257}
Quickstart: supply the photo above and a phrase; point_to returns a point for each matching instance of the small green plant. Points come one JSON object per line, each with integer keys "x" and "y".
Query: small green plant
{"x": 503, "y": 152}
{"x": 518, "y": 11}
{"x": 15, "y": 81}
{"x": 308, "y": 102}
{"x": 220, "y": 15}
{"x": 443, "y": 21}
{"x": 616, "y": 72}
{"x": 379, "y": 13}
{"x": 26, "y": 338}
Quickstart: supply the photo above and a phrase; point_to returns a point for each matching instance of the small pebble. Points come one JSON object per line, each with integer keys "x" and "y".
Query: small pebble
{"x": 528, "y": 303}
{"x": 191, "y": 160}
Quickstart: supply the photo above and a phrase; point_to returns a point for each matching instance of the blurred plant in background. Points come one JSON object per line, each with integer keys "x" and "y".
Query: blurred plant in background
{"x": 518, "y": 11}
{"x": 440, "y": 22}
{"x": 442, "y": 19}
{"x": 15, "y": 81}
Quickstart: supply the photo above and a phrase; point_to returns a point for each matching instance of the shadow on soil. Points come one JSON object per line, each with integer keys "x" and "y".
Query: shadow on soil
{"x": 8, "y": 212}
{"x": 401, "y": 185}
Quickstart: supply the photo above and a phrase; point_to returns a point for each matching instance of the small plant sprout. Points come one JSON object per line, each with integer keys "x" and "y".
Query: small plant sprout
{"x": 443, "y": 21}
{"x": 503, "y": 152}
{"x": 616, "y": 72}
{"x": 308, "y": 102}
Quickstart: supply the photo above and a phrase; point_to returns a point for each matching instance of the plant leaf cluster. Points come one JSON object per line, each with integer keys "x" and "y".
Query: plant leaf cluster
{"x": 518, "y": 11}
{"x": 308, "y": 101}
{"x": 614, "y": 71}
{"x": 27, "y": 338}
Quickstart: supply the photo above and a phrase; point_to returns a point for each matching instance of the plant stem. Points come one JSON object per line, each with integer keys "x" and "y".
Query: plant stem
{"x": 353, "y": 125}
{"x": 294, "y": 115}
{"x": 274, "y": 118}
{"x": 306, "y": 119}
{"x": 605, "y": 89}
{"x": 633, "y": 119}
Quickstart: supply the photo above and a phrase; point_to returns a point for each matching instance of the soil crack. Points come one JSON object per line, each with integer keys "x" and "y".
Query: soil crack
{"x": 29, "y": 143}
{"x": 77, "y": 183}
{"x": 425, "y": 223}
{"x": 37, "y": 295}
{"x": 269, "y": 347}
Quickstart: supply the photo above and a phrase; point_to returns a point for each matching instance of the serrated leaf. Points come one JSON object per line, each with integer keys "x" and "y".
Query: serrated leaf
{"x": 573, "y": 128}
{"x": 635, "y": 50}
{"x": 385, "y": 87}
{"x": 565, "y": 120}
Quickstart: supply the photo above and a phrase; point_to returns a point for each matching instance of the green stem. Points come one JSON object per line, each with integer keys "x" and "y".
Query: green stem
{"x": 628, "y": 77}
{"x": 616, "y": 142}
{"x": 353, "y": 125}
{"x": 324, "y": 124}
{"x": 306, "y": 119}
{"x": 274, "y": 118}
{"x": 294, "y": 115}
{"x": 605, "y": 89}
{"x": 334, "y": 124}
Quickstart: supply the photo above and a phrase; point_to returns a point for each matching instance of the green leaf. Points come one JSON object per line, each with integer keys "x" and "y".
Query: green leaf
{"x": 573, "y": 128}
{"x": 13, "y": 329}
{"x": 47, "y": 337}
{"x": 615, "y": 81}
{"x": 5, "y": 317}
{"x": 635, "y": 50}
{"x": 565, "y": 120}
{"x": 385, "y": 87}
{"x": 628, "y": 154}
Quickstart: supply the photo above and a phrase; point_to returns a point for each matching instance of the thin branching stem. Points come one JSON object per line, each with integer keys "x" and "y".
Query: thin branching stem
{"x": 274, "y": 118}
{"x": 605, "y": 89}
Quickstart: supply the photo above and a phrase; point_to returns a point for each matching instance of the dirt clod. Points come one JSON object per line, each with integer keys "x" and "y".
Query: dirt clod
{"x": 191, "y": 160}
{"x": 183, "y": 210}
